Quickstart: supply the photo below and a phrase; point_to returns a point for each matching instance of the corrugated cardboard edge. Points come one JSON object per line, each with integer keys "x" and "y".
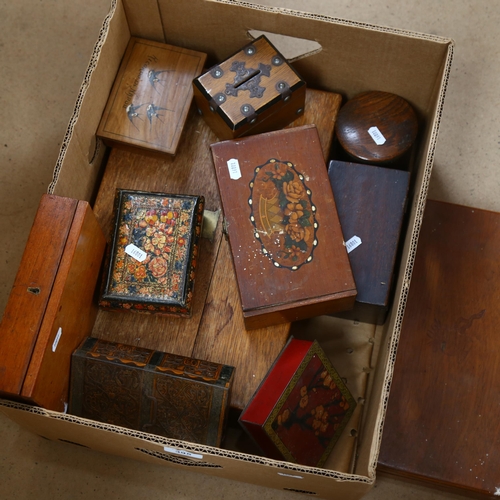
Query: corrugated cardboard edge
{"x": 418, "y": 210}
{"x": 390, "y": 344}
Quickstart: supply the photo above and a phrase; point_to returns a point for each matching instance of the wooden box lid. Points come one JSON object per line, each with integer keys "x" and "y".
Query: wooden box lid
{"x": 301, "y": 408}
{"x": 371, "y": 203}
{"x": 285, "y": 236}
{"x": 150, "y": 99}
{"x": 253, "y": 91}
{"x": 151, "y": 391}
{"x": 51, "y": 307}
{"x": 442, "y": 427}
{"x": 154, "y": 252}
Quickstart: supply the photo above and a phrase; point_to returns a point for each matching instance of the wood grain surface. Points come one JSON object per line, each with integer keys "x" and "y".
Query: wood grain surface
{"x": 251, "y": 92}
{"x": 371, "y": 203}
{"x": 150, "y": 99}
{"x": 390, "y": 114}
{"x": 442, "y": 426}
{"x": 288, "y": 249}
{"x": 216, "y": 331}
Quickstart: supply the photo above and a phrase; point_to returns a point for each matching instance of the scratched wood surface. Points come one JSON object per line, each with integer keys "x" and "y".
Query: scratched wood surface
{"x": 442, "y": 425}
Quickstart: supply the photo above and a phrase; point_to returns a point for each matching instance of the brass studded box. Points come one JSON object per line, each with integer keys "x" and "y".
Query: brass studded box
{"x": 151, "y": 96}
{"x": 154, "y": 252}
{"x": 150, "y": 391}
{"x": 256, "y": 90}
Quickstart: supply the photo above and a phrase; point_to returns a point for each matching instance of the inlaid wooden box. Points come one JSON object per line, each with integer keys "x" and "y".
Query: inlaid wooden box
{"x": 150, "y": 99}
{"x": 371, "y": 203}
{"x": 284, "y": 231}
{"x": 251, "y": 92}
{"x": 301, "y": 408}
{"x": 151, "y": 391}
{"x": 154, "y": 252}
{"x": 51, "y": 307}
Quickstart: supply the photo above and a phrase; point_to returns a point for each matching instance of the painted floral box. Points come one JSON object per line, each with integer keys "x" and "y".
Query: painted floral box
{"x": 154, "y": 251}
{"x": 301, "y": 408}
{"x": 280, "y": 215}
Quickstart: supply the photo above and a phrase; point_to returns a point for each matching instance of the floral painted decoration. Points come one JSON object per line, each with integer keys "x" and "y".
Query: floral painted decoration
{"x": 283, "y": 214}
{"x": 154, "y": 252}
{"x": 312, "y": 412}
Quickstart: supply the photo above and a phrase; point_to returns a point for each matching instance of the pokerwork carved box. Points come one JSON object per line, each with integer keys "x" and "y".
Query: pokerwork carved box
{"x": 150, "y": 391}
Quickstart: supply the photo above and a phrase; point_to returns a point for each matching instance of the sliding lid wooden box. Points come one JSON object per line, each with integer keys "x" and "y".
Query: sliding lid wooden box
{"x": 150, "y": 391}
{"x": 151, "y": 97}
{"x": 285, "y": 236}
{"x": 52, "y": 304}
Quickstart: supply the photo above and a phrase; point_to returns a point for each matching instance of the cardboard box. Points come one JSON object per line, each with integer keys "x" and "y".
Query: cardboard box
{"x": 354, "y": 58}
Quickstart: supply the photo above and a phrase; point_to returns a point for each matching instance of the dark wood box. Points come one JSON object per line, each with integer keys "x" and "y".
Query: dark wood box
{"x": 150, "y": 99}
{"x": 442, "y": 427}
{"x": 51, "y": 307}
{"x": 251, "y": 92}
{"x": 154, "y": 252}
{"x": 151, "y": 391}
{"x": 301, "y": 408}
{"x": 371, "y": 203}
{"x": 283, "y": 227}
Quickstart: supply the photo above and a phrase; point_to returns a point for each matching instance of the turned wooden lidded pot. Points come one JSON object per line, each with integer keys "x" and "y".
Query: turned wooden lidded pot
{"x": 376, "y": 127}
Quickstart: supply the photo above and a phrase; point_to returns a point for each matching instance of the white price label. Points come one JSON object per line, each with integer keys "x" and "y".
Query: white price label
{"x": 233, "y": 165}
{"x": 57, "y": 339}
{"x": 376, "y": 135}
{"x": 353, "y": 243}
{"x": 184, "y": 453}
{"x": 135, "y": 252}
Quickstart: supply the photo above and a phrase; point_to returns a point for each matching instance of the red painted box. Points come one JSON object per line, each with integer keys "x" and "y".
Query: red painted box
{"x": 301, "y": 408}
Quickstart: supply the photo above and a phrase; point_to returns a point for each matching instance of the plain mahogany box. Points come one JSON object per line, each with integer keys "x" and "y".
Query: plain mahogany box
{"x": 371, "y": 202}
{"x": 348, "y": 58}
{"x": 286, "y": 241}
{"x": 52, "y": 306}
{"x": 442, "y": 420}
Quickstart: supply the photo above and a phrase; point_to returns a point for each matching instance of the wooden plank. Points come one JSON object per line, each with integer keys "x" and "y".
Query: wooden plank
{"x": 442, "y": 425}
{"x": 216, "y": 330}
{"x": 189, "y": 172}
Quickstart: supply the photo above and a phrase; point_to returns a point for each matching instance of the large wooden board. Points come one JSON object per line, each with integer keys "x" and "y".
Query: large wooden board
{"x": 216, "y": 331}
{"x": 442, "y": 426}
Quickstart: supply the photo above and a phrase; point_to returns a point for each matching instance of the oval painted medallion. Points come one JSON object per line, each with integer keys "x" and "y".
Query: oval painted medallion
{"x": 283, "y": 215}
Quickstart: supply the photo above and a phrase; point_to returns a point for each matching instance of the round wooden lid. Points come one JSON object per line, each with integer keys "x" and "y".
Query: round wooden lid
{"x": 376, "y": 127}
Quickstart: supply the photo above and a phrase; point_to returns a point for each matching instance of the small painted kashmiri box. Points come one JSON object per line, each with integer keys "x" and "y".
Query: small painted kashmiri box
{"x": 150, "y": 99}
{"x": 150, "y": 391}
{"x": 283, "y": 228}
{"x": 251, "y": 92}
{"x": 301, "y": 408}
{"x": 154, "y": 252}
